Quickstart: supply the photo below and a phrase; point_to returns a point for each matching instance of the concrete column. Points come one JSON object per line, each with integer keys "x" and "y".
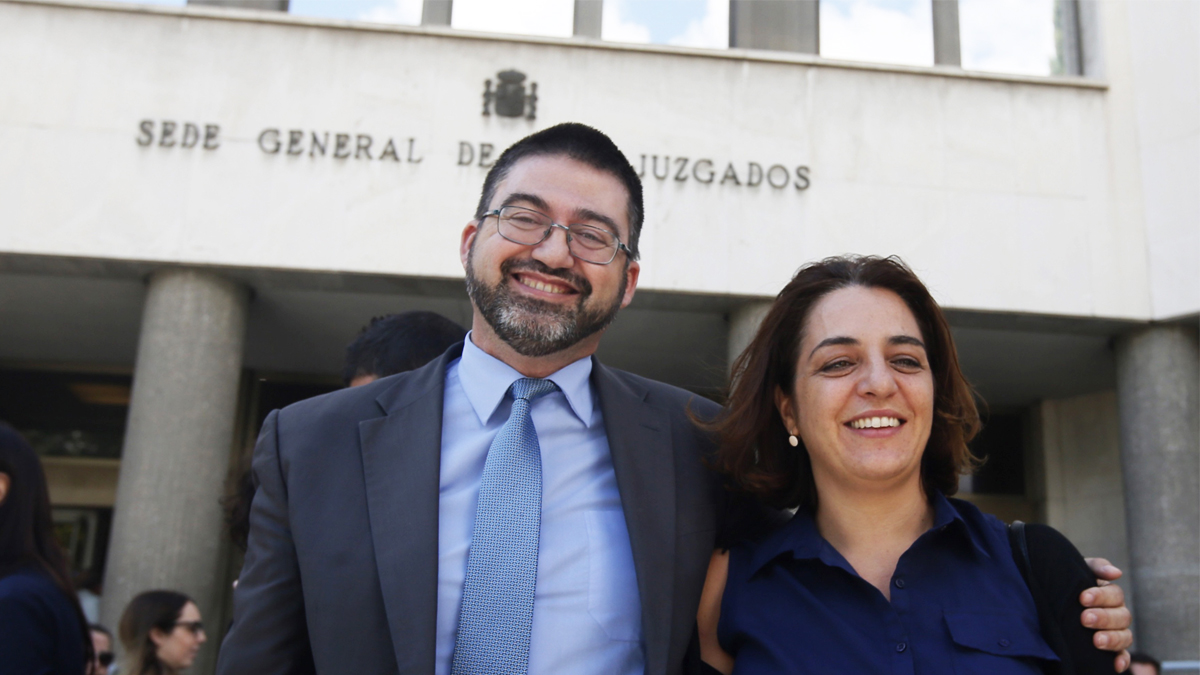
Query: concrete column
{"x": 1158, "y": 375}
{"x": 743, "y": 324}
{"x": 588, "y": 17}
{"x": 947, "y": 50}
{"x": 436, "y": 12}
{"x": 167, "y": 525}
{"x": 782, "y": 25}
{"x": 272, "y": 5}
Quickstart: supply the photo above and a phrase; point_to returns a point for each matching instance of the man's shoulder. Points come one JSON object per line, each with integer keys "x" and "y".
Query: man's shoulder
{"x": 355, "y": 404}
{"x": 661, "y": 394}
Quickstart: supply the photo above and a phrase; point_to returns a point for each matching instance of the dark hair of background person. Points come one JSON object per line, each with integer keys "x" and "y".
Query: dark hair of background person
{"x": 27, "y": 527}
{"x": 753, "y": 449}
{"x": 1142, "y": 657}
{"x": 151, "y": 609}
{"x": 581, "y": 143}
{"x": 390, "y": 344}
{"x": 399, "y": 342}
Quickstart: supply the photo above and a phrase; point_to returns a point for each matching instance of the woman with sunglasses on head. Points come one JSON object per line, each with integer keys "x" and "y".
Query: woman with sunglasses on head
{"x": 42, "y": 627}
{"x": 849, "y": 406}
{"x": 161, "y": 632}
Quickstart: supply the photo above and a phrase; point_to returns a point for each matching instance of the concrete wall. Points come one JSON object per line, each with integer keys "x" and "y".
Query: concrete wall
{"x": 999, "y": 190}
{"x": 1164, "y": 40}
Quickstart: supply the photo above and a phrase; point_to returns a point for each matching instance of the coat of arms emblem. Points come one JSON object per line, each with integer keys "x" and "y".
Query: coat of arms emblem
{"x": 509, "y": 99}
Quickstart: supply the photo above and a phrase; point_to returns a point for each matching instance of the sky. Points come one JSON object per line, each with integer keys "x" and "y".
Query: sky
{"x": 1009, "y": 36}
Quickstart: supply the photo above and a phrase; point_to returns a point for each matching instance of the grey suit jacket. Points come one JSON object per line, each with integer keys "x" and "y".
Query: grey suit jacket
{"x": 341, "y": 571}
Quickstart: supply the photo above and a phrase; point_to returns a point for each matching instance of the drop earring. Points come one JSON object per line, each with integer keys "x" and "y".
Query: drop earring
{"x": 795, "y": 442}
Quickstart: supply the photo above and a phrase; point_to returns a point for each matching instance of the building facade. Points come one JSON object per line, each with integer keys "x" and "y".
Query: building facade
{"x": 200, "y": 206}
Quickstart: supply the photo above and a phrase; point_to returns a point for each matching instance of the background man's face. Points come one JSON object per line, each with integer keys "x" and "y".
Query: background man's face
{"x": 540, "y": 299}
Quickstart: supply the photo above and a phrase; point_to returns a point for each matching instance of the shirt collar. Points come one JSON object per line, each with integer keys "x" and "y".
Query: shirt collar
{"x": 801, "y": 539}
{"x": 485, "y": 379}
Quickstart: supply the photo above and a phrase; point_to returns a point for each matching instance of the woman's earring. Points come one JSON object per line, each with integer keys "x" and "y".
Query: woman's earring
{"x": 794, "y": 441}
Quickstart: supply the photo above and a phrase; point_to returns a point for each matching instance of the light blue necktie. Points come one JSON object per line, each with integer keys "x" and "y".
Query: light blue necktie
{"x": 497, "y": 602}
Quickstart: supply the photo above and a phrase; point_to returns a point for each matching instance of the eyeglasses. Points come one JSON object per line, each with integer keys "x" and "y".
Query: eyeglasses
{"x": 530, "y": 228}
{"x": 197, "y": 627}
{"x": 105, "y": 659}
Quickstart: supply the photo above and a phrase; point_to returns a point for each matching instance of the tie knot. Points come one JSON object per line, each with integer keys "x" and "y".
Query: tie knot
{"x": 531, "y": 389}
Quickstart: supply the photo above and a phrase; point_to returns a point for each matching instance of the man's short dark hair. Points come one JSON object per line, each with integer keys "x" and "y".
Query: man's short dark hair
{"x": 1142, "y": 657}
{"x": 581, "y": 143}
{"x": 399, "y": 342}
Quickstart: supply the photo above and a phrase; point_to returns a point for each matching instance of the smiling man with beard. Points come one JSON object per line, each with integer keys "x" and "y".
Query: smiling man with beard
{"x": 513, "y": 507}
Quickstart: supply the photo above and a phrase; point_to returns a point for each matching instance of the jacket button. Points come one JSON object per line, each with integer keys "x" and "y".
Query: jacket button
{"x": 900, "y": 647}
{"x": 1004, "y": 643}
{"x": 899, "y": 583}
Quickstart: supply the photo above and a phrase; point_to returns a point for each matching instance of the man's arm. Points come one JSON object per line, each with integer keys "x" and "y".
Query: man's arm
{"x": 269, "y": 633}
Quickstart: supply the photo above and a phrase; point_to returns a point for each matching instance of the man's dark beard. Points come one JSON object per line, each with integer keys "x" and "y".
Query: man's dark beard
{"x": 535, "y": 327}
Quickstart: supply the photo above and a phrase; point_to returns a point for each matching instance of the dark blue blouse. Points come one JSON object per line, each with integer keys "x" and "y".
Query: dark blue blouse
{"x": 40, "y": 634}
{"x": 792, "y": 604}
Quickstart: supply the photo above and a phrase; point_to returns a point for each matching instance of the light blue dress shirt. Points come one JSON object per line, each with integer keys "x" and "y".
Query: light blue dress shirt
{"x": 586, "y": 611}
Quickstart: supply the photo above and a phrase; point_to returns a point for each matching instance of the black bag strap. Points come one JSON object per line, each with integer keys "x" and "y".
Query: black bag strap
{"x": 1047, "y": 621}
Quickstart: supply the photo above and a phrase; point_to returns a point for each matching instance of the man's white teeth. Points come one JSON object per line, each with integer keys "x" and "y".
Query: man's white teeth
{"x": 874, "y": 423}
{"x": 533, "y": 283}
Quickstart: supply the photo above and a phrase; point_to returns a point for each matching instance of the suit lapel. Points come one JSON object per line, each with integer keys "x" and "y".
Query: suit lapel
{"x": 639, "y": 439}
{"x": 401, "y": 460}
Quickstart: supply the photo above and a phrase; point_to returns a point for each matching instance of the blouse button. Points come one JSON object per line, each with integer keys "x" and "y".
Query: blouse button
{"x": 900, "y": 647}
{"x": 1004, "y": 643}
{"x": 899, "y": 583}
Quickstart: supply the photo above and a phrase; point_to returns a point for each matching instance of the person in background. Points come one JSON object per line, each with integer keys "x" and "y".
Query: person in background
{"x": 102, "y": 650}
{"x": 1144, "y": 664}
{"x": 161, "y": 632}
{"x": 397, "y": 343}
{"x": 42, "y": 628}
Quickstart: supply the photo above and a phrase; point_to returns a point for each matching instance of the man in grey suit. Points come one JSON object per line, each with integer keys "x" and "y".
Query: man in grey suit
{"x": 364, "y": 555}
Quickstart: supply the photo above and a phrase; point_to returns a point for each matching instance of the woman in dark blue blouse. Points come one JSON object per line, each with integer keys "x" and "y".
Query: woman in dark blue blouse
{"x": 42, "y": 628}
{"x": 849, "y": 405}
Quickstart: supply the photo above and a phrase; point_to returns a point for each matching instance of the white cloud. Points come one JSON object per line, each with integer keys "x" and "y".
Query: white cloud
{"x": 616, "y": 28}
{"x": 711, "y": 30}
{"x": 878, "y": 30}
{"x": 1010, "y": 36}
{"x": 396, "y": 11}
{"x": 553, "y": 18}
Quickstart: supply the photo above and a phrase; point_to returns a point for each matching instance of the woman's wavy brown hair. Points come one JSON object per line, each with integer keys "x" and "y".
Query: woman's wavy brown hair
{"x": 753, "y": 449}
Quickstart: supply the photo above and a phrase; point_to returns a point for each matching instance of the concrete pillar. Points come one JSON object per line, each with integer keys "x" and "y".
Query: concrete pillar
{"x": 588, "y": 18}
{"x": 271, "y": 5}
{"x": 436, "y": 12}
{"x": 167, "y": 522}
{"x": 782, "y": 25}
{"x": 947, "y": 50}
{"x": 1158, "y": 375}
{"x": 743, "y": 324}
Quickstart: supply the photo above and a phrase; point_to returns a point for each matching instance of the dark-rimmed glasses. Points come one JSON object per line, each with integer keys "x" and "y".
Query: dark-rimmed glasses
{"x": 527, "y": 227}
{"x": 197, "y": 627}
